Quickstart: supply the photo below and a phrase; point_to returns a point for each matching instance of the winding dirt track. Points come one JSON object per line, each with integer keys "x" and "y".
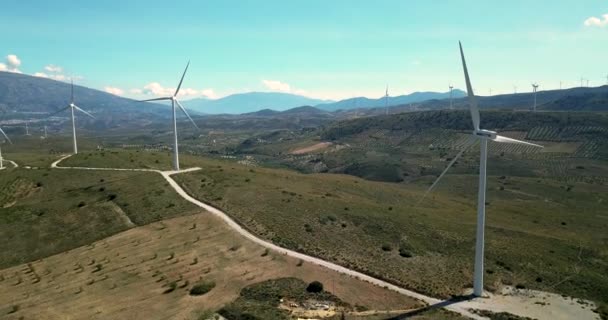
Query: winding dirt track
{"x": 167, "y": 175}
{"x": 524, "y": 303}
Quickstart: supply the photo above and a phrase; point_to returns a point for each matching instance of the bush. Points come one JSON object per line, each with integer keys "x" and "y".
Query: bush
{"x": 171, "y": 287}
{"x": 387, "y": 247}
{"x": 315, "y": 287}
{"x": 308, "y": 228}
{"x": 81, "y": 204}
{"x": 405, "y": 253}
{"x": 201, "y": 288}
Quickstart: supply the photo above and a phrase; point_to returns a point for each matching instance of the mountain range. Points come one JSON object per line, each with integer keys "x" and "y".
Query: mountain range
{"x": 277, "y": 101}
{"x": 25, "y": 96}
{"x": 251, "y": 102}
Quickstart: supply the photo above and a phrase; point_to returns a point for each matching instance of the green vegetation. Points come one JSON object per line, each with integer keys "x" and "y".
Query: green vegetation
{"x": 47, "y": 211}
{"x": 261, "y": 300}
{"x": 526, "y": 239}
{"x": 202, "y": 288}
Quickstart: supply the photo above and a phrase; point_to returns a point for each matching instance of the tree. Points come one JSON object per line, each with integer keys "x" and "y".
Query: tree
{"x": 315, "y": 287}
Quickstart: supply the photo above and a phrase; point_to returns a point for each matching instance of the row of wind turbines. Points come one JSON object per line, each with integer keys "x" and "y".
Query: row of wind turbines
{"x": 477, "y": 135}
{"x": 73, "y": 108}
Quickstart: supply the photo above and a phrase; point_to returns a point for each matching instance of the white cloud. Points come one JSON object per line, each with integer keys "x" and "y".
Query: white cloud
{"x": 53, "y": 68}
{"x": 276, "y": 85}
{"x": 597, "y": 22}
{"x": 156, "y": 89}
{"x": 209, "y": 93}
{"x": 58, "y": 77}
{"x": 13, "y": 61}
{"x": 12, "y": 64}
{"x": 113, "y": 90}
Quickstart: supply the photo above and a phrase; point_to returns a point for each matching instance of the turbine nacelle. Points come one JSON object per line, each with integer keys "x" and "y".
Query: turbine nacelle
{"x": 485, "y": 134}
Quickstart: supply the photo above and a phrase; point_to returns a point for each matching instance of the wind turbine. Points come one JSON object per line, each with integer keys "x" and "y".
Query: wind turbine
{"x": 386, "y": 99}
{"x": 174, "y": 101}
{"x": 534, "y": 88}
{"x": 73, "y": 107}
{"x": 451, "y": 105}
{"x": 9, "y": 140}
{"x": 483, "y": 136}
{"x": 27, "y": 129}
{"x": 514, "y": 89}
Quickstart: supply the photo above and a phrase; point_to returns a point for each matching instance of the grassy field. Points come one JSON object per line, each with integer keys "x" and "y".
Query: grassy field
{"x": 44, "y": 211}
{"x": 544, "y": 235}
{"x": 541, "y": 233}
{"x": 147, "y": 273}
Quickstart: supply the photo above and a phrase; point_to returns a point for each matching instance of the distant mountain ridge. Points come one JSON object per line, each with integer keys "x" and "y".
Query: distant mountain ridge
{"x": 415, "y": 97}
{"x": 251, "y": 102}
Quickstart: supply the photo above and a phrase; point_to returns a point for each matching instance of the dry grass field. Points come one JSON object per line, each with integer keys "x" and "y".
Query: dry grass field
{"x": 128, "y": 275}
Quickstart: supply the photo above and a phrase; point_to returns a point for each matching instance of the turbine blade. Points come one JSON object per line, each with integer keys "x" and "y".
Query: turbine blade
{"x": 504, "y": 139}
{"x": 155, "y": 99}
{"x": 58, "y": 111}
{"x": 88, "y": 114}
{"x": 468, "y": 144}
{"x": 472, "y": 101}
{"x": 186, "y": 113}
{"x": 182, "y": 80}
{"x": 72, "y": 82}
{"x": 4, "y": 134}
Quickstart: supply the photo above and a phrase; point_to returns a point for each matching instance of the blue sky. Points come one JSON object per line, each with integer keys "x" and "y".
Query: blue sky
{"x": 323, "y": 49}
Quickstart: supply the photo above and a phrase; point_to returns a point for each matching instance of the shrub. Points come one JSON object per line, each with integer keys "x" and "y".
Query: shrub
{"x": 387, "y": 247}
{"x": 81, "y": 204}
{"x": 171, "y": 287}
{"x": 14, "y": 308}
{"x": 265, "y": 253}
{"x": 111, "y": 197}
{"x": 300, "y": 263}
{"x": 201, "y": 288}
{"x": 315, "y": 287}
{"x": 308, "y": 228}
{"x": 405, "y": 253}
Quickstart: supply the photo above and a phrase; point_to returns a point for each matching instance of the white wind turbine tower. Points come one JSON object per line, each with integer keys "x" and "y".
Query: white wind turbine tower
{"x": 386, "y": 99}
{"x": 174, "y": 101}
{"x": 7, "y": 139}
{"x": 27, "y": 128}
{"x": 451, "y": 105}
{"x": 534, "y": 88}
{"x": 483, "y": 136}
{"x": 73, "y": 107}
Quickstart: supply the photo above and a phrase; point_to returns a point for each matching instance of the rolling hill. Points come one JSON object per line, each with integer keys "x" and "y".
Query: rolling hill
{"x": 25, "y": 96}
{"x": 572, "y": 99}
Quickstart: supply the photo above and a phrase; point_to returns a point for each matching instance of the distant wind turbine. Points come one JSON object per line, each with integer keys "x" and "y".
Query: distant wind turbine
{"x": 534, "y": 88}
{"x": 1, "y": 158}
{"x": 514, "y": 89}
{"x": 27, "y": 129}
{"x": 73, "y": 107}
{"x": 483, "y": 136}
{"x": 451, "y": 104}
{"x": 174, "y": 101}
{"x": 386, "y": 99}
